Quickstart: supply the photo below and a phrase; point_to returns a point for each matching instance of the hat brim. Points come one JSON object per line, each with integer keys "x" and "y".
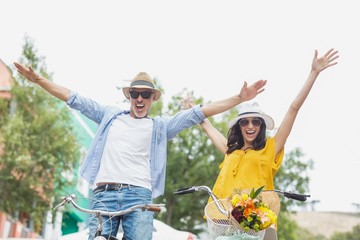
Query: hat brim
{"x": 269, "y": 122}
{"x": 126, "y": 91}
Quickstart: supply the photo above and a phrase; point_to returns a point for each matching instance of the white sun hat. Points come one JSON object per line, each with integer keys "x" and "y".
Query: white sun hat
{"x": 253, "y": 110}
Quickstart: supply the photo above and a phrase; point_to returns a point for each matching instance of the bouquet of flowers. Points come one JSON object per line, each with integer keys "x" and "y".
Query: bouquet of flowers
{"x": 250, "y": 213}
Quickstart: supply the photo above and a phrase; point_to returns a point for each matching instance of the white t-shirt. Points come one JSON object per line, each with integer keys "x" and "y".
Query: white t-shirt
{"x": 126, "y": 157}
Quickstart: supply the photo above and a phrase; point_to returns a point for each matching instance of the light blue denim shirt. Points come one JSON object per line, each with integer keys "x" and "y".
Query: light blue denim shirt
{"x": 164, "y": 129}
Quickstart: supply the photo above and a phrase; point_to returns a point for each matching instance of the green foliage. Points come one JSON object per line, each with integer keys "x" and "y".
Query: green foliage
{"x": 287, "y": 227}
{"x": 254, "y": 193}
{"x": 353, "y": 235}
{"x": 191, "y": 161}
{"x": 156, "y": 107}
{"x": 39, "y": 145}
{"x": 289, "y": 230}
{"x": 293, "y": 176}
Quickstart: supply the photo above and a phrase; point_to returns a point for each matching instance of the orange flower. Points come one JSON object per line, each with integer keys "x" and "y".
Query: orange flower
{"x": 248, "y": 212}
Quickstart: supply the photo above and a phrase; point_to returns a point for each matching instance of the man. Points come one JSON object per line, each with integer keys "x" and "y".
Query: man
{"x": 127, "y": 159}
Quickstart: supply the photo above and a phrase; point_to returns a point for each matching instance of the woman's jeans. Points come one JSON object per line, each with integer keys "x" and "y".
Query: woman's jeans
{"x": 137, "y": 225}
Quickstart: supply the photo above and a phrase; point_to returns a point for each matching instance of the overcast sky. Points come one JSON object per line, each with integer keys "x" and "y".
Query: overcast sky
{"x": 212, "y": 47}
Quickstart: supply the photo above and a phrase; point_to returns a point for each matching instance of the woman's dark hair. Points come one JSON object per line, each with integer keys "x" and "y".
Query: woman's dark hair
{"x": 236, "y": 141}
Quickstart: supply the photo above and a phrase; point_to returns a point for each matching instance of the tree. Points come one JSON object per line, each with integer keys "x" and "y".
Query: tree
{"x": 191, "y": 161}
{"x": 39, "y": 145}
{"x": 292, "y": 176}
{"x": 353, "y": 235}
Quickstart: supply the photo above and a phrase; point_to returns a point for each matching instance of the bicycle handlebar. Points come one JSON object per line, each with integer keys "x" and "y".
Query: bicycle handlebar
{"x": 192, "y": 189}
{"x": 143, "y": 207}
{"x": 290, "y": 195}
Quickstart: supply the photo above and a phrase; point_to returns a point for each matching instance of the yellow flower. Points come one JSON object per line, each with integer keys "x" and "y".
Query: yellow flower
{"x": 235, "y": 200}
{"x": 244, "y": 196}
{"x": 272, "y": 216}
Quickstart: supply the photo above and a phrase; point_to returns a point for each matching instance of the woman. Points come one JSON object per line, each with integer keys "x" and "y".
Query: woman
{"x": 251, "y": 158}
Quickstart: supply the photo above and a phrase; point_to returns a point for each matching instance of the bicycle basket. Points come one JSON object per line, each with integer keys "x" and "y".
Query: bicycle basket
{"x": 220, "y": 226}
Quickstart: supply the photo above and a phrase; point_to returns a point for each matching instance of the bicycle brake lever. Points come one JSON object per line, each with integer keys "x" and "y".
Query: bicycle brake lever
{"x": 60, "y": 204}
{"x": 182, "y": 191}
{"x": 65, "y": 199}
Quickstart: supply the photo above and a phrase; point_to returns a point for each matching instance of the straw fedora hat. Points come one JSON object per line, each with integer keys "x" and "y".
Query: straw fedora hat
{"x": 253, "y": 110}
{"x": 142, "y": 80}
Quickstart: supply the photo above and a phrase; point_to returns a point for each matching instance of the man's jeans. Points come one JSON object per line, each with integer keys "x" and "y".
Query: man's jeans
{"x": 137, "y": 225}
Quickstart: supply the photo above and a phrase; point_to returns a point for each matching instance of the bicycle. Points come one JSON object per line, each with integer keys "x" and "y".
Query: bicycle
{"x": 99, "y": 213}
{"x": 218, "y": 211}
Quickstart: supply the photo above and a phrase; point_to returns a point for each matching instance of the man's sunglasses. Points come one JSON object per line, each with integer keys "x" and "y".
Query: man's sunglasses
{"x": 144, "y": 95}
{"x": 256, "y": 122}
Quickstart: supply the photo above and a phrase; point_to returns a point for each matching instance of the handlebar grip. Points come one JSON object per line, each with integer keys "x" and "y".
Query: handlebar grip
{"x": 182, "y": 191}
{"x": 299, "y": 197}
{"x": 153, "y": 209}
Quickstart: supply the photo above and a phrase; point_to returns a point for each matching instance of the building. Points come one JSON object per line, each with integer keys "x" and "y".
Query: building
{"x": 6, "y": 81}
{"x": 74, "y": 221}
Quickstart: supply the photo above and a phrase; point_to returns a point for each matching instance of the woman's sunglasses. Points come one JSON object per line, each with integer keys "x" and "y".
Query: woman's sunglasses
{"x": 144, "y": 95}
{"x": 256, "y": 122}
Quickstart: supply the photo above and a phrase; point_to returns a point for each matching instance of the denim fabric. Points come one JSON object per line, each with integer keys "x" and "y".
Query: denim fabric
{"x": 137, "y": 225}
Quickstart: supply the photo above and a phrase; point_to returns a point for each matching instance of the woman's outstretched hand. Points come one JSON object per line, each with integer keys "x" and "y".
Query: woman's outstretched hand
{"x": 325, "y": 61}
{"x": 187, "y": 102}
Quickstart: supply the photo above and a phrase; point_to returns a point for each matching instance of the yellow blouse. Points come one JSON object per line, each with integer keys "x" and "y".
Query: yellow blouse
{"x": 248, "y": 169}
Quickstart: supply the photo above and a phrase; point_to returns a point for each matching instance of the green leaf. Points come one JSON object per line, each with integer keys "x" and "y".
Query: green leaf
{"x": 254, "y": 194}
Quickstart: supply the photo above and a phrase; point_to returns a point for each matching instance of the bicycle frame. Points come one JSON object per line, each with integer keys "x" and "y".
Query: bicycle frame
{"x": 99, "y": 213}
